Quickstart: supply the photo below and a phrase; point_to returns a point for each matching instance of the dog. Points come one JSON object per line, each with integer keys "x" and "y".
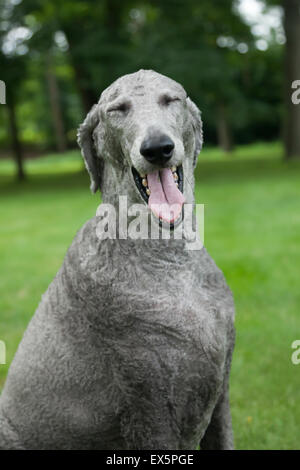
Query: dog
{"x": 131, "y": 345}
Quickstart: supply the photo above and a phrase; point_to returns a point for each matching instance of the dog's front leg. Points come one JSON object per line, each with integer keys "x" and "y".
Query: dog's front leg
{"x": 147, "y": 427}
{"x": 219, "y": 435}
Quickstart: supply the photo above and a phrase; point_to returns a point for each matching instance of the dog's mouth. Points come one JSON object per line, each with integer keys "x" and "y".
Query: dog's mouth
{"x": 162, "y": 190}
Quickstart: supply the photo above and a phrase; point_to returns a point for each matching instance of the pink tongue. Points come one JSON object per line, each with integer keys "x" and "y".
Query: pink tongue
{"x": 165, "y": 199}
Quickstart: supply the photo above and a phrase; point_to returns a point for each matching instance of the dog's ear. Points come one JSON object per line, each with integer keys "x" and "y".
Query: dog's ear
{"x": 86, "y": 143}
{"x": 197, "y": 126}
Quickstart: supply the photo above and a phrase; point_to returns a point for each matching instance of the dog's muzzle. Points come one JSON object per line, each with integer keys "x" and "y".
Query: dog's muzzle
{"x": 162, "y": 190}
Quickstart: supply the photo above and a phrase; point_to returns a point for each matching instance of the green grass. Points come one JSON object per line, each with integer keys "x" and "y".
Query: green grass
{"x": 252, "y": 225}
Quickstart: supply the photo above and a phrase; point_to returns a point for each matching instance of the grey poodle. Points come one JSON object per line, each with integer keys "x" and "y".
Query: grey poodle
{"x": 131, "y": 345}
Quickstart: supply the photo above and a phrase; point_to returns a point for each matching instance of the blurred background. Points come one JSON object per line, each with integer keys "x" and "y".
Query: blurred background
{"x": 234, "y": 57}
{"x": 237, "y": 59}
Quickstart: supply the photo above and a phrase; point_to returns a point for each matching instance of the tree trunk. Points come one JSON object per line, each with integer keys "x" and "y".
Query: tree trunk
{"x": 292, "y": 73}
{"x": 223, "y": 129}
{"x": 113, "y": 11}
{"x": 88, "y": 99}
{"x": 15, "y": 142}
{"x": 57, "y": 117}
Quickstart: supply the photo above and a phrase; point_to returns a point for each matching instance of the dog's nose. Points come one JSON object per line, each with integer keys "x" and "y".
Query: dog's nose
{"x": 157, "y": 149}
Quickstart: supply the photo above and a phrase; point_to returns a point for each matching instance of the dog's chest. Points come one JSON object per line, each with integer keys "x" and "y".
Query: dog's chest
{"x": 161, "y": 319}
{"x": 145, "y": 333}
{"x": 158, "y": 298}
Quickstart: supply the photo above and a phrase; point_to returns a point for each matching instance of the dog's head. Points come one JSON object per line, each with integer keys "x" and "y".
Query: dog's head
{"x": 142, "y": 140}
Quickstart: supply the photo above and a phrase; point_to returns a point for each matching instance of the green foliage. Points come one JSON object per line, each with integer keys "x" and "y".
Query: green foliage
{"x": 108, "y": 38}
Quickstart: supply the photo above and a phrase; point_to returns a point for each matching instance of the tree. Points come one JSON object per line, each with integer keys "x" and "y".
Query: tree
{"x": 180, "y": 39}
{"x": 10, "y": 67}
{"x": 292, "y": 73}
{"x": 238, "y": 92}
{"x": 55, "y": 104}
{"x": 10, "y": 72}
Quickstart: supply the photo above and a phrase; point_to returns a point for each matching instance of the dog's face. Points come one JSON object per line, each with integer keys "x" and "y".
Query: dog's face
{"x": 149, "y": 134}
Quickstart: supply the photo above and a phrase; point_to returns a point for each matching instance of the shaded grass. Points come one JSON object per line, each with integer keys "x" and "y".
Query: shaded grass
{"x": 252, "y": 223}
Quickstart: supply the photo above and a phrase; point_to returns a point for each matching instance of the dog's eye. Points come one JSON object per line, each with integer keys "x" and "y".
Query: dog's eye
{"x": 165, "y": 100}
{"x": 121, "y": 107}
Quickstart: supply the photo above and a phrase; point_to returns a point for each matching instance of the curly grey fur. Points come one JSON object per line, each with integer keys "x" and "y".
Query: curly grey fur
{"x": 130, "y": 347}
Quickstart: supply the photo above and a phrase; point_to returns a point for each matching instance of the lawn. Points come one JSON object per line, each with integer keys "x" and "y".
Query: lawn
{"x": 252, "y": 226}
